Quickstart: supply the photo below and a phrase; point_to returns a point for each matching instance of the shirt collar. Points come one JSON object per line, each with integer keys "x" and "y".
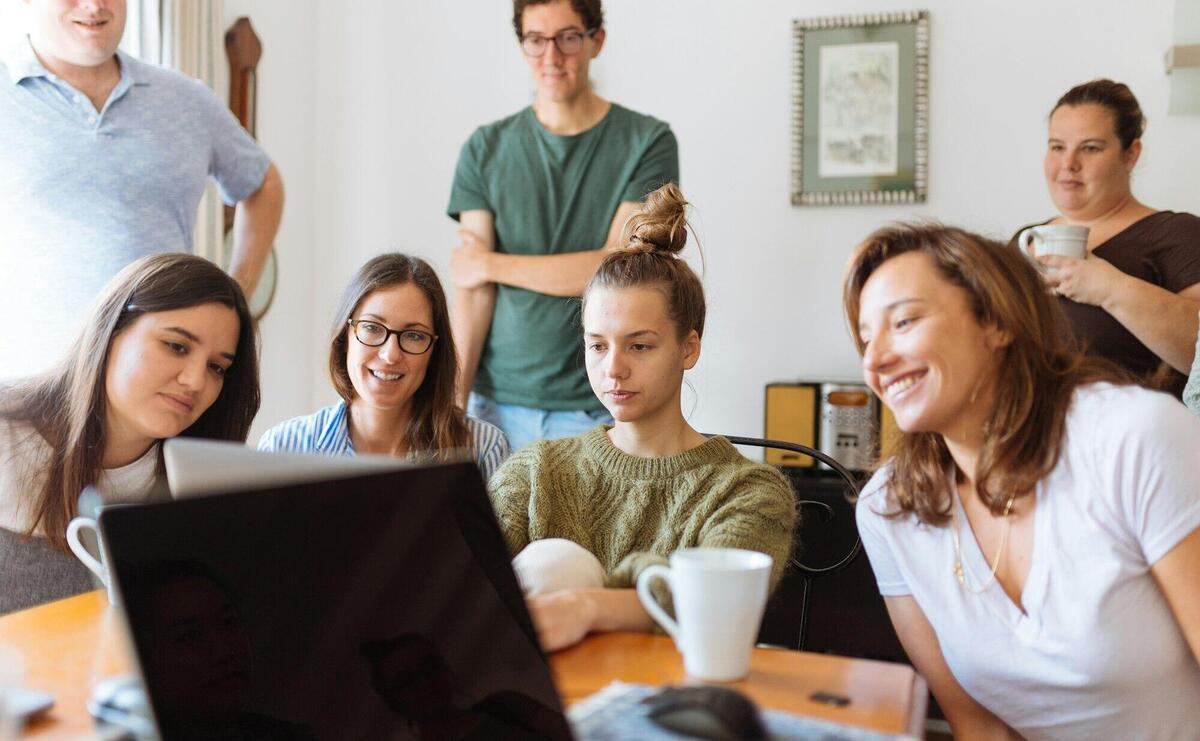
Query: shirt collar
{"x": 23, "y": 64}
{"x": 133, "y": 71}
{"x": 335, "y": 438}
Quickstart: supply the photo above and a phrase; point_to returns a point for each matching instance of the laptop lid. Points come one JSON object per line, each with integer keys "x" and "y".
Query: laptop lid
{"x": 198, "y": 467}
{"x": 377, "y": 606}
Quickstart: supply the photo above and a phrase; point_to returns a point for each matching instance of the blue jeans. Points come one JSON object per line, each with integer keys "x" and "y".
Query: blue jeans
{"x": 523, "y": 425}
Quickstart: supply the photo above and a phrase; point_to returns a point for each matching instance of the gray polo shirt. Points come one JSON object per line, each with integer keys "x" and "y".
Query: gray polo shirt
{"x": 84, "y": 193}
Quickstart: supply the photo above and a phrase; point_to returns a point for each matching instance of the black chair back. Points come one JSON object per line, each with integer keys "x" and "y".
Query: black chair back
{"x": 827, "y": 600}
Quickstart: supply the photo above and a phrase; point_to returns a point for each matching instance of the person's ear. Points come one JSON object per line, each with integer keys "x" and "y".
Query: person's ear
{"x": 1131, "y": 154}
{"x": 691, "y": 350}
{"x": 997, "y": 338}
{"x": 597, "y": 42}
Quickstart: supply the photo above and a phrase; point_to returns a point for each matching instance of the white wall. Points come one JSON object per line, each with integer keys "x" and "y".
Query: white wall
{"x": 12, "y": 20}
{"x": 400, "y": 85}
{"x": 287, "y": 110}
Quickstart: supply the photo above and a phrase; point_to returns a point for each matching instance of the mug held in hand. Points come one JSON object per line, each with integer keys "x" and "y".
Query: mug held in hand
{"x": 1065, "y": 240}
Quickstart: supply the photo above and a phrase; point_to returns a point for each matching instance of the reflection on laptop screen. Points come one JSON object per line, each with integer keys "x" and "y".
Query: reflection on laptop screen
{"x": 381, "y": 606}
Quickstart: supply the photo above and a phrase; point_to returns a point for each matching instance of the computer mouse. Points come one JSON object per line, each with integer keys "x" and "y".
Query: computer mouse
{"x": 120, "y": 701}
{"x": 707, "y": 712}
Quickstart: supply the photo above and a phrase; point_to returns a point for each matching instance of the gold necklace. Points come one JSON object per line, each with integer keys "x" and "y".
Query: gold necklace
{"x": 958, "y": 565}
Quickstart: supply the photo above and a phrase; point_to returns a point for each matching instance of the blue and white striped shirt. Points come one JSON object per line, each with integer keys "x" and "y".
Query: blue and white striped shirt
{"x": 327, "y": 431}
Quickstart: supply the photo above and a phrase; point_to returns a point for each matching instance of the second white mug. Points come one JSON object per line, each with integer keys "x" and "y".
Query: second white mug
{"x": 719, "y": 596}
{"x": 98, "y": 566}
{"x": 1066, "y": 240}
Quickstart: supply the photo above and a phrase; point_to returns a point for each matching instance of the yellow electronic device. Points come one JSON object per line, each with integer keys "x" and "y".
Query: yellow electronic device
{"x": 844, "y": 420}
{"x": 889, "y": 433}
{"x": 791, "y": 416}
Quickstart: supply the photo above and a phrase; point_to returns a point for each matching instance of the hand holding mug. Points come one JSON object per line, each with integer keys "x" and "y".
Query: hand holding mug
{"x": 1091, "y": 281}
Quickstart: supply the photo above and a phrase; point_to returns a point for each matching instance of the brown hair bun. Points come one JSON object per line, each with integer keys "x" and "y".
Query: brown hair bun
{"x": 661, "y": 225}
{"x": 653, "y": 238}
{"x": 1128, "y": 121}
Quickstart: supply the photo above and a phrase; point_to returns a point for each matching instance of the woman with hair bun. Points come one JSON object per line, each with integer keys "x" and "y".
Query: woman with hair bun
{"x": 583, "y": 516}
{"x": 1134, "y": 300}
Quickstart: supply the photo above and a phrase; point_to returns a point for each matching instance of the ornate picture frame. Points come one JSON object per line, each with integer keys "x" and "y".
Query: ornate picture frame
{"x": 860, "y": 113}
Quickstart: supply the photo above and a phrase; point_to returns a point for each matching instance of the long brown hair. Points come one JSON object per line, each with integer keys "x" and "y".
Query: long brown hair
{"x": 436, "y": 424}
{"x": 653, "y": 239}
{"x": 1037, "y": 374}
{"x": 67, "y": 405}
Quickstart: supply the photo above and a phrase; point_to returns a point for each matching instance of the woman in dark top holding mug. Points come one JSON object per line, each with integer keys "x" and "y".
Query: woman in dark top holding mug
{"x": 1134, "y": 300}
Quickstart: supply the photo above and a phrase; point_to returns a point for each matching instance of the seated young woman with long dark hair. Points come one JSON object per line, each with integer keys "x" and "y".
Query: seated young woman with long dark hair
{"x": 1036, "y": 533}
{"x": 169, "y": 349}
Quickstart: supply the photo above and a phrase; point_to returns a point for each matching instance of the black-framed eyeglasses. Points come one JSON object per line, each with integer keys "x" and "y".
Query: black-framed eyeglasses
{"x": 374, "y": 334}
{"x": 568, "y": 42}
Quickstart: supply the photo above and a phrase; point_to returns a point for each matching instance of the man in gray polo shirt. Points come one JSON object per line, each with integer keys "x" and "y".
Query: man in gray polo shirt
{"x": 103, "y": 159}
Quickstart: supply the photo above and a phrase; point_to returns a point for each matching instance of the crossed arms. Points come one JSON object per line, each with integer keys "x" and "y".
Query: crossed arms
{"x": 476, "y": 267}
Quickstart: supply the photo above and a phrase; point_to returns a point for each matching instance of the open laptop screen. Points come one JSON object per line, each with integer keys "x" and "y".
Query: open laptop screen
{"x": 380, "y": 606}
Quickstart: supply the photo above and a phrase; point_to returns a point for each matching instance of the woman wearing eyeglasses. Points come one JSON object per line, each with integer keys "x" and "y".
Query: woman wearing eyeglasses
{"x": 392, "y": 360}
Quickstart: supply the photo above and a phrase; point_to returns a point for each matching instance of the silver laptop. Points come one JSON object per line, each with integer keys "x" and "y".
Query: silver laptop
{"x": 203, "y": 467}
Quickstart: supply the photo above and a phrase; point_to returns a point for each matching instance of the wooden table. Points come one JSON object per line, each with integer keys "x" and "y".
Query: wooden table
{"x": 69, "y": 645}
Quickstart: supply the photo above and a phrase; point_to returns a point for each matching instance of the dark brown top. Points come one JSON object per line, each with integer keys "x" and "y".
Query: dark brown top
{"x": 1163, "y": 249}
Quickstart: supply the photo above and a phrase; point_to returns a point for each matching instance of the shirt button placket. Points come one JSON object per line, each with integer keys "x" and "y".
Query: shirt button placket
{"x": 85, "y": 105}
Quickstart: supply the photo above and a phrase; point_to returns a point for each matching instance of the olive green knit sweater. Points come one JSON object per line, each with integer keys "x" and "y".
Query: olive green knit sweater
{"x": 631, "y": 512}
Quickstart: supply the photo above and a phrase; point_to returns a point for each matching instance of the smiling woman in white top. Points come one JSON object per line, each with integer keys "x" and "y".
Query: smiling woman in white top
{"x": 1036, "y": 533}
{"x": 169, "y": 349}
{"x": 393, "y": 362}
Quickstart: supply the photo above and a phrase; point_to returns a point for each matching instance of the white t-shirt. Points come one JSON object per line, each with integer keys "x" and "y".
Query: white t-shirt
{"x": 1097, "y": 652}
{"x": 24, "y": 455}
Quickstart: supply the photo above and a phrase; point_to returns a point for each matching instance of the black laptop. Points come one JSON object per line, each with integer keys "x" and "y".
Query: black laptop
{"x": 381, "y": 606}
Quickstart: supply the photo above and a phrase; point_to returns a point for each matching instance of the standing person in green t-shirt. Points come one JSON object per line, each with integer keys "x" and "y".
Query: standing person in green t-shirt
{"x": 541, "y": 197}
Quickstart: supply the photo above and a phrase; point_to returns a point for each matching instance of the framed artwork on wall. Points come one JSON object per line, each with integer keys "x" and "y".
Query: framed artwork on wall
{"x": 860, "y": 112}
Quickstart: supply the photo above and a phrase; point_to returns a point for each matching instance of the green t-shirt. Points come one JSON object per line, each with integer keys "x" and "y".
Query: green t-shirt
{"x": 552, "y": 194}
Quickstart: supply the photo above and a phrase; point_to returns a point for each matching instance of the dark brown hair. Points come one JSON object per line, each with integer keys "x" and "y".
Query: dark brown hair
{"x": 67, "y": 405}
{"x": 1128, "y": 121}
{"x": 1037, "y": 374}
{"x": 436, "y": 424}
{"x": 653, "y": 239}
{"x": 589, "y": 11}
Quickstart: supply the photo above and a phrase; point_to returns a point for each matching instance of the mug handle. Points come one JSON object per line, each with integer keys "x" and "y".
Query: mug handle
{"x": 646, "y": 597}
{"x": 1025, "y": 240}
{"x": 80, "y": 552}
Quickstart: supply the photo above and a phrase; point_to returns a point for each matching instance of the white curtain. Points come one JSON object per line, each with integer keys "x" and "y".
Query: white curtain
{"x": 188, "y": 36}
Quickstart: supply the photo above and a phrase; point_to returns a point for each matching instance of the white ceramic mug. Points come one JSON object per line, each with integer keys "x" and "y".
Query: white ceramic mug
{"x": 719, "y": 596}
{"x": 1054, "y": 239}
{"x": 99, "y": 567}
